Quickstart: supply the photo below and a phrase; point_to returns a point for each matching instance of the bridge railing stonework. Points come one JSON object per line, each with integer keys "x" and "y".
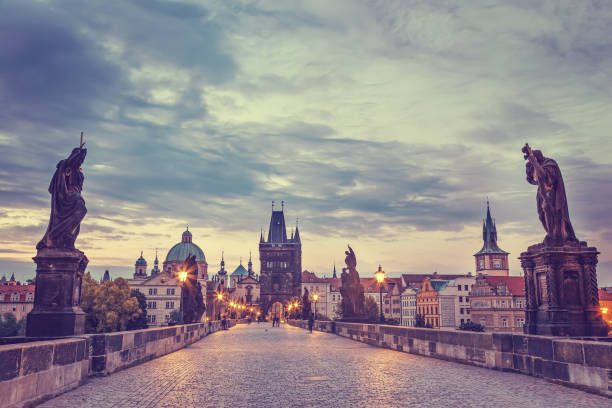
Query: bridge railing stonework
{"x": 31, "y": 372}
{"x": 580, "y": 363}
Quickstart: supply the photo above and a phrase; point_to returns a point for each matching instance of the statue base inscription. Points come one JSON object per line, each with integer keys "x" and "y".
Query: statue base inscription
{"x": 561, "y": 290}
{"x": 56, "y": 312}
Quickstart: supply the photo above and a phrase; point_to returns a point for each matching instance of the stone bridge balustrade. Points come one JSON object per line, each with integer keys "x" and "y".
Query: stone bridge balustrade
{"x": 585, "y": 363}
{"x": 34, "y": 371}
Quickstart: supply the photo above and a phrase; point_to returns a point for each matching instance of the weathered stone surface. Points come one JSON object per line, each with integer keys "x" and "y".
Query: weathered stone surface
{"x": 502, "y": 342}
{"x": 598, "y": 354}
{"x": 568, "y": 351}
{"x": 541, "y": 347}
{"x": 36, "y": 358}
{"x": 10, "y": 363}
{"x": 64, "y": 353}
{"x": 555, "y": 370}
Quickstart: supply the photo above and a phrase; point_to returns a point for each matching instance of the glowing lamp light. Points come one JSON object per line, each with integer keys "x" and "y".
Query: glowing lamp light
{"x": 604, "y": 310}
{"x": 289, "y": 307}
{"x": 315, "y": 297}
{"x": 182, "y": 275}
{"x": 220, "y": 296}
{"x": 251, "y": 309}
{"x": 380, "y": 275}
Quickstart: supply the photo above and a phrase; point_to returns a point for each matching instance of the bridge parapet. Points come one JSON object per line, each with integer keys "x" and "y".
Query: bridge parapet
{"x": 584, "y": 363}
{"x": 31, "y": 372}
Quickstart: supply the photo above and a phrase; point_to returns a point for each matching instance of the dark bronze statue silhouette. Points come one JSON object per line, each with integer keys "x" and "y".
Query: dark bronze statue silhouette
{"x": 351, "y": 289}
{"x": 551, "y": 199}
{"x": 193, "y": 300}
{"x": 67, "y": 205}
{"x": 59, "y": 265}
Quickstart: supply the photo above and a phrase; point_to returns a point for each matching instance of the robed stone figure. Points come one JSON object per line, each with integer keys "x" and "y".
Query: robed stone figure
{"x": 351, "y": 290}
{"x": 67, "y": 205}
{"x": 551, "y": 199}
{"x": 59, "y": 265}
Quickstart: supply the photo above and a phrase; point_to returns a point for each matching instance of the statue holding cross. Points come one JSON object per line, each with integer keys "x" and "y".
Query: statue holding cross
{"x": 67, "y": 205}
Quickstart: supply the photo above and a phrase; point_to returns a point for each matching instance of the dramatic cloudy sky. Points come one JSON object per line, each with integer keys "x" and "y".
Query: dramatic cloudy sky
{"x": 383, "y": 124}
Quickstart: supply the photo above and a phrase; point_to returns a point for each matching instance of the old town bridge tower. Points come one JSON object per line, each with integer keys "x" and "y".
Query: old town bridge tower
{"x": 281, "y": 264}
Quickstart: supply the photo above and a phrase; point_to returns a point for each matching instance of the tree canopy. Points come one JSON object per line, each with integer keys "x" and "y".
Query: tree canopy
{"x": 109, "y": 306}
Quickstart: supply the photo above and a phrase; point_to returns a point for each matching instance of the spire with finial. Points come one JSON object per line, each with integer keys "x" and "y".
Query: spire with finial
{"x": 282, "y": 205}
{"x": 335, "y": 275}
{"x": 250, "y": 265}
{"x": 222, "y": 260}
{"x": 296, "y": 236}
{"x": 489, "y": 235}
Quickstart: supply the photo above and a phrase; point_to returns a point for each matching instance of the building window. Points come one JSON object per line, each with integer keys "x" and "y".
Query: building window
{"x": 151, "y": 305}
{"x": 461, "y": 311}
{"x": 466, "y": 287}
{"x": 497, "y": 263}
{"x": 519, "y": 304}
{"x": 458, "y": 287}
{"x": 462, "y": 321}
{"x": 150, "y": 291}
{"x": 461, "y": 298}
{"x": 169, "y": 305}
{"x": 467, "y": 299}
{"x": 170, "y": 291}
{"x": 504, "y": 322}
{"x": 503, "y": 303}
{"x": 520, "y": 322}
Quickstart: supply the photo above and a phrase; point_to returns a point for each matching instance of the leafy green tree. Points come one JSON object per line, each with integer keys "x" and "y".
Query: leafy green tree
{"x": 8, "y": 325}
{"x": 139, "y": 322}
{"x": 370, "y": 308}
{"x": 109, "y": 306}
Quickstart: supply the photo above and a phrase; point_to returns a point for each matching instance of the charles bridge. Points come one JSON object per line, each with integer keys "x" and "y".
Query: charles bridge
{"x": 257, "y": 365}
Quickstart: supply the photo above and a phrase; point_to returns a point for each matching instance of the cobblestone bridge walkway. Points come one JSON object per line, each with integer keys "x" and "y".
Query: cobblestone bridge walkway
{"x": 258, "y": 366}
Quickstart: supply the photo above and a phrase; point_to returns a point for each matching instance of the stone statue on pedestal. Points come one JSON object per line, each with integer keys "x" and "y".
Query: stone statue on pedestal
{"x": 560, "y": 272}
{"x": 351, "y": 290}
{"x": 551, "y": 199}
{"x": 60, "y": 266}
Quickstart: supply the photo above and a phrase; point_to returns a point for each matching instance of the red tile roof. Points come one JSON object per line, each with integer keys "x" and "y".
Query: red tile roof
{"x": 7, "y": 290}
{"x": 415, "y": 279}
{"x": 515, "y": 284}
{"x": 310, "y": 277}
{"x": 605, "y": 295}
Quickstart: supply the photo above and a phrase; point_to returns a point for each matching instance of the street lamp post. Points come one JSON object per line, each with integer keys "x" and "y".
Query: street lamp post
{"x": 219, "y": 300}
{"x": 380, "y": 278}
{"x": 315, "y": 297}
{"x": 182, "y": 275}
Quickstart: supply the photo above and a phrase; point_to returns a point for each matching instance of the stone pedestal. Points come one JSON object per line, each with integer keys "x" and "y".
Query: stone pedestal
{"x": 561, "y": 290}
{"x": 57, "y": 311}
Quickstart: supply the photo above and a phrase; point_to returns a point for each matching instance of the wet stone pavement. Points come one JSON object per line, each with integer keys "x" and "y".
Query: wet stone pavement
{"x": 260, "y": 366}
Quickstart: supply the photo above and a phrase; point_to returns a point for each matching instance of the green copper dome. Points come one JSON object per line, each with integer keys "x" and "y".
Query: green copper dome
{"x": 183, "y": 249}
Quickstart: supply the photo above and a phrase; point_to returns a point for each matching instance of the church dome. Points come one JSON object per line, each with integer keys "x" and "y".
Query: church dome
{"x": 183, "y": 249}
{"x": 141, "y": 261}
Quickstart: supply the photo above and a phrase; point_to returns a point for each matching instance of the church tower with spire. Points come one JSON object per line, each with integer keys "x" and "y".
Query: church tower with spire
{"x": 140, "y": 268}
{"x": 491, "y": 259}
{"x": 281, "y": 264}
